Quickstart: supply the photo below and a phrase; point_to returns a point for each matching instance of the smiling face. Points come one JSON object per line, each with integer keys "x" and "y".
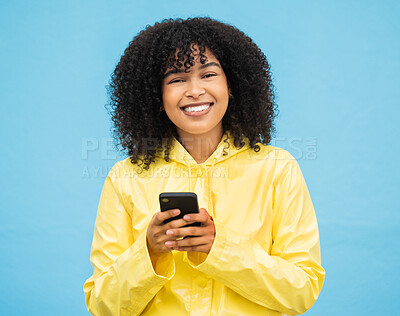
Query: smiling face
{"x": 196, "y": 101}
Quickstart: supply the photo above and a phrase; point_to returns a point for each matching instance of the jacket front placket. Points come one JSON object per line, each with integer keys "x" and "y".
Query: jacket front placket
{"x": 201, "y": 284}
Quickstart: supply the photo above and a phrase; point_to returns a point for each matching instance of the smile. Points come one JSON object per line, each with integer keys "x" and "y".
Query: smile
{"x": 197, "y": 109}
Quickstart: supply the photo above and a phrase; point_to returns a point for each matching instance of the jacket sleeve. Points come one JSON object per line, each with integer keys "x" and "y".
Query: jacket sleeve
{"x": 290, "y": 277}
{"x": 124, "y": 280}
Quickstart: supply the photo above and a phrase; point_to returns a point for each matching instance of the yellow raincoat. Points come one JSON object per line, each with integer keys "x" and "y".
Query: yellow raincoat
{"x": 265, "y": 259}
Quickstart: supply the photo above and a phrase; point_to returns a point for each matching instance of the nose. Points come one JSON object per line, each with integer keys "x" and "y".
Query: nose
{"x": 195, "y": 89}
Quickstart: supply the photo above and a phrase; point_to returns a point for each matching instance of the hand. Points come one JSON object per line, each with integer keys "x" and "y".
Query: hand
{"x": 156, "y": 232}
{"x": 201, "y": 238}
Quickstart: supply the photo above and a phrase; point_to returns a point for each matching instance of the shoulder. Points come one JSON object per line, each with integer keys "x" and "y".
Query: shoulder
{"x": 125, "y": 169}
{"x": 276, "y": 153}
{"x": 271, "y": 155}
{"x": 286, "y": 166}
{"x": 121, "y": 168}
{"x": 276, "y": 160}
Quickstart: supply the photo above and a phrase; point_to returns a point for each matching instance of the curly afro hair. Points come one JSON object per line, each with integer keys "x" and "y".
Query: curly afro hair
{"x": 135, "y": 87}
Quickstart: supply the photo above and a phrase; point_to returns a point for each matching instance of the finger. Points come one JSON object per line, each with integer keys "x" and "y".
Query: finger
{"x": 160, "y": 217}
{"x": 187, "y": 231}
{"x": 189, "y": 242}
{"x": 202, "y": 217}
{"x": 178, "y": 223}
{"x": 202, "y": 248}
{"x": 204, "y": 211}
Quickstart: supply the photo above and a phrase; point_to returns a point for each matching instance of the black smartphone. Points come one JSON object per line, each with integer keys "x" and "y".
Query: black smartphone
{"x": 186, "y": 202}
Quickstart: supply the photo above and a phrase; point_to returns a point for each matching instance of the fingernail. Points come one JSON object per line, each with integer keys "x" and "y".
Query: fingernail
{"x": 168, "y": 243}
{"x": 186, "y": 217}
{"x": 176, "y": 212}
{"x": 170, "y": 232}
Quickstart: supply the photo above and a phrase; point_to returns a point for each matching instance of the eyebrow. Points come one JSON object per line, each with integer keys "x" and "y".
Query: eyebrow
{"x": 177, "y": 71}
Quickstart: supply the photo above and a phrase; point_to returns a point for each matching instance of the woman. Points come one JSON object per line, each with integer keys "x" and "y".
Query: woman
{"x": 193, "y": 104}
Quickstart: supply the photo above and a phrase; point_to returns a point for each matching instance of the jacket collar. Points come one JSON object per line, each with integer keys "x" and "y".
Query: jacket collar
{"x": 225, "y": 150}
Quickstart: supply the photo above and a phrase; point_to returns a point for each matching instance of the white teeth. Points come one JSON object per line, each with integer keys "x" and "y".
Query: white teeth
{"x": 197, "y": 108}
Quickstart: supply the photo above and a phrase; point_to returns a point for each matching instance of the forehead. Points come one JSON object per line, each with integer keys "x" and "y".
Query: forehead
{"x": 184, "y": 59}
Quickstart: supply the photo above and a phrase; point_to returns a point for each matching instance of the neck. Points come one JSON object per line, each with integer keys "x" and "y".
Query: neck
{"x": 201, "y": 147}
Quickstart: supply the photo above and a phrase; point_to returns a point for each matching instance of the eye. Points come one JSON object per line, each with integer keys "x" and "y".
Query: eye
{"x": 209, "y": 75}
{"x": 176, "y": 80}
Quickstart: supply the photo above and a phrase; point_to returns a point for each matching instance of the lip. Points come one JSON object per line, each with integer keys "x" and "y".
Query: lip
{"x": 201, "y": 113}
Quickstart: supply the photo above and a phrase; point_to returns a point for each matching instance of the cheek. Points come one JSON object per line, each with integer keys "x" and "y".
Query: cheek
{"x": 223, "y": 94}
{"x": 166, "y": 100}
{"x": 170, "y": 96}
{"x": 222, "y": 90}
{"x": 170, "y": 104}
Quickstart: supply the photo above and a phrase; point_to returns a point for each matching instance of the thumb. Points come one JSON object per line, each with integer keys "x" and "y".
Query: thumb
{"x": 204, "y": 211}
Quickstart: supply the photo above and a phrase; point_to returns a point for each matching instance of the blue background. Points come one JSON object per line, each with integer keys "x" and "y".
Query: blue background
{"x": 336, "y": 68}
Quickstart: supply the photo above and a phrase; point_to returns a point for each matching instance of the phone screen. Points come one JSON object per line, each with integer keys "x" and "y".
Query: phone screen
{"x": 186, "y": 202}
